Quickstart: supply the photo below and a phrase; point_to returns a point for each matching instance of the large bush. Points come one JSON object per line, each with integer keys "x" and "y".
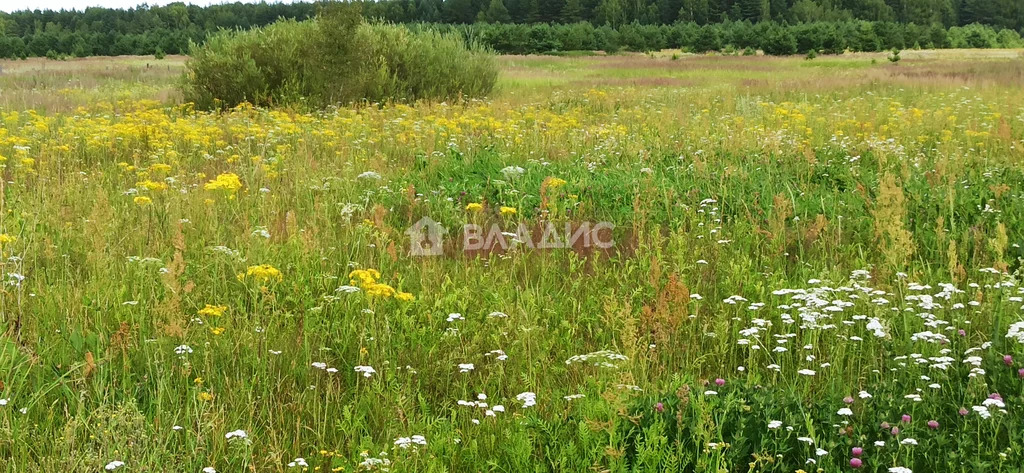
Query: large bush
{"x": 779, "y": 41}
{"x": 337, "y": 58}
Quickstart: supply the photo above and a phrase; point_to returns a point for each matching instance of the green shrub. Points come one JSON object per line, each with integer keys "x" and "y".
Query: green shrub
{"x": 397, "y": 64}
{"x": 336, "y": 58}
{"x": 707, "y": 39}
{"x": 894, "y": 55}
{"x": 779, "y": 41}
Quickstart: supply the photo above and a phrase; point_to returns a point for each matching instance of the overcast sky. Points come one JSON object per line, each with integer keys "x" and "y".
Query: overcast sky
{"x": 13, "y": 5}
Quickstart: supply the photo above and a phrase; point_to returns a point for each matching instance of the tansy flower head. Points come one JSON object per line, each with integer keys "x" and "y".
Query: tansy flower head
{"x": 229, "y": 183}
{"x": 154, "y": 186}
{"x": 380, "y": 290}
{"x": 404, "y": 296}
{"x": 508, "y": 211}
{"x": 474, "y": 207}
{"x": 5, "y": 239}
{"x": 142, "y": 201}
{"x": 160, "y": 168}
{"x": 263, "y": 273}
{"x": 213, "y": 310}
{"x": 363, "y": 277}
{"x": 553, "y": 182}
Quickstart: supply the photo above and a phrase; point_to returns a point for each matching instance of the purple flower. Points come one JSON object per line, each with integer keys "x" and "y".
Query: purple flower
{"x": 1008, "y": 360}
{"x": 905, "y": 418}
{"x": 848, "y": 399}
{"x": 933, "y": 424}
{"x": 1020, "y": 373}
{"x": 962, "y": 332}
{"x": 857, "y": 451}
{"x": 720, "y": 381}
{"x": 856, "y": 463}
{"x": 884, "y": 426}
{"x": 963, "y": 411}
{"x": 659, "y": 407}
{"x": 895, "y": 430}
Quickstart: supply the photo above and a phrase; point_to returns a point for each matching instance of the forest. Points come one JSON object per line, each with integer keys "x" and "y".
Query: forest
{"x": 535, "y": 26}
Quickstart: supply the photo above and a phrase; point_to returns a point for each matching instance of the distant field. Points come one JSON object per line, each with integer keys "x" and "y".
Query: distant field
{"x": 45, "y": 84}
{"x": 658, "y": 262}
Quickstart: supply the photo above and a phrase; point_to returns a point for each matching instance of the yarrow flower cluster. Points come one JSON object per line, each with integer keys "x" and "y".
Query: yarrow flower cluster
{"x": 406, "y": 442}
{"x": 602, "y": 358}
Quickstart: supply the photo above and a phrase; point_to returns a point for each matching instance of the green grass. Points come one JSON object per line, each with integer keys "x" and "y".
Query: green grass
{"x": 846, "y": 219}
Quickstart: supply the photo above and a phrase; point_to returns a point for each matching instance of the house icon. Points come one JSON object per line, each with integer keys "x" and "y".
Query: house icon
{"x": 426, "y": 238}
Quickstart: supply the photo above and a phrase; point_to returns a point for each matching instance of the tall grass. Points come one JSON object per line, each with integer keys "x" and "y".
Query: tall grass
{"x": 796, "y": 264}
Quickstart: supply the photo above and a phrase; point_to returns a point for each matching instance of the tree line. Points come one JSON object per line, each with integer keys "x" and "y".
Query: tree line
{"x": 532, "y": 26}
{"x": 740, "y": 37}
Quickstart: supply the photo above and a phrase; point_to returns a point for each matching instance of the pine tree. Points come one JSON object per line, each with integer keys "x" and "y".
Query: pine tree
{"x": 551, "y": 10}
{"x": 458, "y": 11}
{"x": 610, "y": 12}
{"x": 697, "y": 11}
{"x": 497, "y": 13}
{"x": 572, "y": 12}
{"x": 668, "y": 10}
{"x": 752, "y": 10}
{"x": 429, "y": 10}
{"x": 533, "y": 12}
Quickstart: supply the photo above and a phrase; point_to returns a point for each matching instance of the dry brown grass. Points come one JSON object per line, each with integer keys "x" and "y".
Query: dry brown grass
{"x": 59, "y": 86}
{"x": 944, "y": 73}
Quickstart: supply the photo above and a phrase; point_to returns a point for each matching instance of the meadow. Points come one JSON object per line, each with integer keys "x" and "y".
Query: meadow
{"x": 816, "y": 268}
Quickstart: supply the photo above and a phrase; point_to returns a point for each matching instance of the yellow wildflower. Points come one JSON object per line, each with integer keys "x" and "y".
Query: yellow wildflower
{"x": 474, "y": 207}
{"x": 205, "y": 396}
{"x": 227, "y": 182}
{"x": 154, "y": 186}
{"x": 508, "y": 211}
{"x": 364, "y": 277}
{"x": 142, "y": 201}
{"x": 217, "y": 330}
{"x": 264, "y": 273}
{"x": 380, "y": 290}
{"x": 5, "y": 239}
{"x": 213, "y": 310}
{"x": 554, "y": 182}
{"x": 404, "y": 296}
